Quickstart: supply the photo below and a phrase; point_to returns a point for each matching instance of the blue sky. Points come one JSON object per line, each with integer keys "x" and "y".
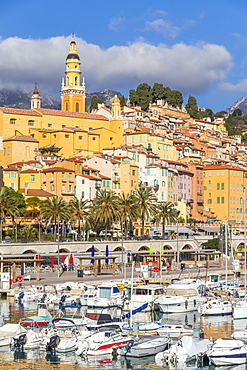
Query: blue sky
{"x": 196, "y": 47}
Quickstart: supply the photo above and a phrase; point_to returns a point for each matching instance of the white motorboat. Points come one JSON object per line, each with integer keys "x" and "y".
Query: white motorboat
{"x": 240, "y": 334}
{"x": 101, "y": 342}
{"x": 181, "y": 296}
{"x": 175, "y": 330}
{"x": 105, "y": 295}
{"x": 143, "y": 296}
{"x": 240, "y": 310}
{"x": 227, "y": 352}
{"x": 8, "y": 332}
{"x": 28, "y": 340}
{"x": 216, "y": 307}
{"x": 143, "y": 328}
{"x": 184, "y": 350}
{"x": 146, "y": 348}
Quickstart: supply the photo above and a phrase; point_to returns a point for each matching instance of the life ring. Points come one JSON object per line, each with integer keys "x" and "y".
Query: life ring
{"x": 19, "y": 278}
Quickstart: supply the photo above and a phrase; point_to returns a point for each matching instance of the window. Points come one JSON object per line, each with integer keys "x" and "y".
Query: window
{"x": 70, "y": 188}
{"x": 66, "y": 136}
{"x": 133, "y": 172}
{"x": 49, "y": 125}
{"x": 44, "y": 136}
{"x": 106, "y": 183}
{"x": 80, "y": 137}
{"x": 63, "y": 126}
{"x": 148, "y": 171}
{"x": 111, "y": 138}
{"x": 12, "y": 175}
{"x": 94, "y": 138}
{"x": 70, "y": 177}
{"x": 12, "y": 185}
{"x": 218, "y": 186}
{"x": 63, "y": 188}
{"x": 125, "y": 173}
{"x": 83, "y": 182}
{"x": 63, "y": 176}
{"x": 209, "y": 201}
{"x": 52, "y": 187}
{"x": 222, "y": 199}
{"x": 77, "y": 107}
{"x": 32, "y": 178}
{"x": 222, "y": 186}
{"x": 218, "y": 199}
{"x": 30, "y": 123}
{"x": 132, "y": 183}
{"x": 12, "y": 121}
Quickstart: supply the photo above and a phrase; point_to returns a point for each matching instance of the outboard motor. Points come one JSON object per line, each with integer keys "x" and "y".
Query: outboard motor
{"x": 43, "y": 298}
{"x": 53, "y": 343}
{"x": 128, "y": 346}
{"x": 62, "y": 300}
{"x": 20, "y": 341}
{"x": 21, "y": 295}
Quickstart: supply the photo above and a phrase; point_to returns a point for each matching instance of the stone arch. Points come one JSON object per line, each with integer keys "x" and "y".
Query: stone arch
{"x": 185, "y": 254}
{"x": 187, "y": 247}
{"x": 118, "y": 249}
{"x": 89, "y": 250}
{"x": 168, "y": 248}
{"x": 30, "y": 251}
{"x": 144, "y": 248}
{"x": 63, "y": 250}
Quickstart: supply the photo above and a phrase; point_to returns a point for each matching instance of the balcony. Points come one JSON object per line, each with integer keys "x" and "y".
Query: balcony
{"x": 116, "y": 178}
{"x": 190, "y": 200}
{"x": 68, "y": 192}
{"x": 51, "y": 179}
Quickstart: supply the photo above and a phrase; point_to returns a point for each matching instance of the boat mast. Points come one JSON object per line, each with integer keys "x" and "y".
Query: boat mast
{"x": 226, "y": 241}
{"x": 245, "y": 243}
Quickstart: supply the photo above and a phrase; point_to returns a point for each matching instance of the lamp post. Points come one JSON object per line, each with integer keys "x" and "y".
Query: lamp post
{"x": 39, "y": 229}
{"x": 1, "y": 230}
{"x": 58, "y": 251}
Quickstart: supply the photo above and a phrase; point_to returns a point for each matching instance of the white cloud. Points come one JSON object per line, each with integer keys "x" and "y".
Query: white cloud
{"x": 164, "y": 27}
{"x": 116, "y": 23}
{"x": 240, "y": 87}
{"x": 189, "y": 69}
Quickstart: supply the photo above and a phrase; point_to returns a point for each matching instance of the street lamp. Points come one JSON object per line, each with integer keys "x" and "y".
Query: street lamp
{"x": 1, "y": 230}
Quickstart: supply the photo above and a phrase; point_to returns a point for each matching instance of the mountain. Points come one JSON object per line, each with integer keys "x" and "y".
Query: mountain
{"x": 239, "y": 104}
{"x": 21, "y": 99}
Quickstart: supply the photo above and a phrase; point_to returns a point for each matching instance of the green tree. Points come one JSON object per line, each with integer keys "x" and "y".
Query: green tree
{"x": 94, "y": 102}
{"x": 29, "y": 232}
{"x": 122, "y": 101}
{"x": 105, "y": 208}
{"x": 146, "y": 202}
{"x": 33, "y": 205}
{"x": 143, "y": 92}
{"x": 53, "y": 210}
{"x": 128, "y": 211}
{"x": 8, "y": 206}
{"x": 192, "y": 107}
{"x": 166, "y": 212}
{"x": 133, "y": 98}
{"x": 211, "y": 244}
{"x": 79, "y": 211}
{"x": 157, "y": 92}
{"x": 176, "y": 98}
{"x": 237, "y": 113}
{"x": 221, "y": 114}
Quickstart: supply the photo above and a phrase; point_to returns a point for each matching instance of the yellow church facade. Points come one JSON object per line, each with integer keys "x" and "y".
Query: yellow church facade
{"x": 71, "y": 128}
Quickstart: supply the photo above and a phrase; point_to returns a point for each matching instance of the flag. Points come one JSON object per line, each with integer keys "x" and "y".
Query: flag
{"x": 92, "y": 253}
{"x": 52, "y": 263}
{"x": 107, "y": 254}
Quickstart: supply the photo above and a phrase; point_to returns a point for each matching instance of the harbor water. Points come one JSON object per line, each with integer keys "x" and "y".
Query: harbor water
{"x": 209, "y": 327}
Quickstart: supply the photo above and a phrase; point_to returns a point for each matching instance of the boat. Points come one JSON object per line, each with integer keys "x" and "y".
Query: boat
{"x": 216, "y": 307}
{"x": 240, "y": 310}
{"x": 8, "y": 332}
{"x": 28, "y": 340}
{"x": 42, "y": 319}
{"x": 102, "y": 342}
{"x": 105, "y": 295}
{"x": 182, "y": 296}
{"x": 143, "y": 329}
{"x": 146, "y": 348}
{"x": 240, "y": 334}
{"x": 186, "y": 349}
{"x": 175, "y": 330}
{"x": 227, "y": 352}
{"x": 143, "y": 296}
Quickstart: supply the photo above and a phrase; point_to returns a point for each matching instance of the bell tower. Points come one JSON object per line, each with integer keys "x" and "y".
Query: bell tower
{"x": 36, "y": 99}
{"x": 73, "y": 93}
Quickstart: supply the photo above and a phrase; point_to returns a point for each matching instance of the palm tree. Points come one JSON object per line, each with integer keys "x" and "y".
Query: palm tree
{"x": 146, "y": 202}
{"x": 105, "y": 208}
{"x": 8, "y": 206}
{"x": 79, "y": 210}
{"x": 29, "y": 232}
{"x": 128, "y": 210}
{"x": 55, "y": 209}
{"x": 166, "y": 212}
{"x": 33, "y": 206}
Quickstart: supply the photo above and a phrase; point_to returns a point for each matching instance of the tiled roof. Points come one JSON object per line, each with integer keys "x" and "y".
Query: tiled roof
{"x": 19, "y": 111}
{"x": 57, "y": 169}
{"x": 21, "y": 138}
{"x": 29, "y": 171}
{"x": 54, "y": 112}
{"x": 36, "y": 193}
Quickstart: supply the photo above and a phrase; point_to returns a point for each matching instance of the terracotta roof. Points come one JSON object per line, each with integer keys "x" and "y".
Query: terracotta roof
{"x": 29, "y": 171}
{"x": 19, "y": 111}
{"x": 90, "y": 177}
{"x": 36, "y": 193}
{"x": 217, "y": 167}
{"x": 54, "y": 112}
{"x": 21, "y": 138}
{"x": 57, "y": 169}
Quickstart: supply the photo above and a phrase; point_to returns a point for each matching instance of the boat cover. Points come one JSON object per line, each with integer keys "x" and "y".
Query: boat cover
{"x": 194, "y": 346}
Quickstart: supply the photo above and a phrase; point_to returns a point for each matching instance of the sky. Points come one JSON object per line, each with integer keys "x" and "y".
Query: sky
{"x": 196, "y": 47}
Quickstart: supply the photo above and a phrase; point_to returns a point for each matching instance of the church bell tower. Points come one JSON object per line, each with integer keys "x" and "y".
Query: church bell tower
{"x": 73, "y": 93}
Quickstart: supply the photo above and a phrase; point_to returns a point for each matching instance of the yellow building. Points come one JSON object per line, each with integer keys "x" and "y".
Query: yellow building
{"x": 224, "y": 192}
{"x": 29, "y": 179}
{"x": 59, "y": 181}
{"x": 157, "y": 143}
{"x": 71, "y": 128}
{"x": 18, "y": 148}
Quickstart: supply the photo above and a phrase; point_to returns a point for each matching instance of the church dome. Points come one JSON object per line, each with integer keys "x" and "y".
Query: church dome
{"x": 73, "y": 56}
